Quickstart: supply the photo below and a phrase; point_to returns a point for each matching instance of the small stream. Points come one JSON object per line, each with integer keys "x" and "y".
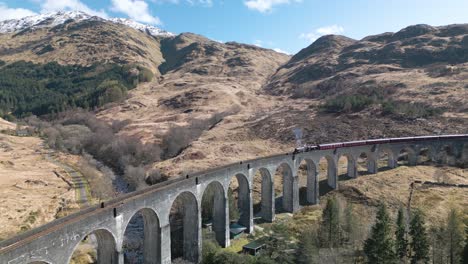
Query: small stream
{"x": 133, "y": 236}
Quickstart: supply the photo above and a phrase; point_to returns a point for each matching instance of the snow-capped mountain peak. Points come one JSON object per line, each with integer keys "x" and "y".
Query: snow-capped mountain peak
{"x": 153, "y": 31}
{"x": 58, "y": 18}
{"x": 42, "y": 20}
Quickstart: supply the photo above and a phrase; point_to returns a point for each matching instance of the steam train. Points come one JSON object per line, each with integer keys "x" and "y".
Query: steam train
{"x": 308, "y": 148}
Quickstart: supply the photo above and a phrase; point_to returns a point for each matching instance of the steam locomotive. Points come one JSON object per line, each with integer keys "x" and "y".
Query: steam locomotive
{"x": 308, "y": 148}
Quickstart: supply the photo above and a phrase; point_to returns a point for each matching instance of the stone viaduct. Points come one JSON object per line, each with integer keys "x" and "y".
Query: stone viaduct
{"x": 56, "y": 241}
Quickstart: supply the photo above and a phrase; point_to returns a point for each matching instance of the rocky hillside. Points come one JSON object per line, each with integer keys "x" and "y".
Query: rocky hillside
{"x": 418, "y": 63}
{"x": 203, "y": 79}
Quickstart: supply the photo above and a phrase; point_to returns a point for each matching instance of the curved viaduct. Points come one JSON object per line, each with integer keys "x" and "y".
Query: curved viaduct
{"x": 55, "y": 242}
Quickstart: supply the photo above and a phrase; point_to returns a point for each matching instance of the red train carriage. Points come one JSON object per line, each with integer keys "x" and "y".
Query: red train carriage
{"x": 330, "y": 146}
{"x": 354, "y": 143}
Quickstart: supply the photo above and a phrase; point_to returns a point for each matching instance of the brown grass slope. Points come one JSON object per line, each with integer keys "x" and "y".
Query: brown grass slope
{"x": 420, "y": 63}
{"x": 203, "y": 78}
{"x": 30, "y": 192}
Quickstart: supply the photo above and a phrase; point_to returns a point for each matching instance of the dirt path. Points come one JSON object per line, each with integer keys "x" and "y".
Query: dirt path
{"x": 80, "y": 184}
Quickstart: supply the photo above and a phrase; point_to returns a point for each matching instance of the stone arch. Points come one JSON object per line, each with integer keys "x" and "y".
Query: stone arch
{"x": 243, "y": 200}
{"x": 214, "y": 210}
{"x": 351, "y": 165}
{"x": 407, "y": 155}
{"x": 331, "y": 171}
{"x": 285, "y": 172}
{"x": 266, "y": 207}
{"x": 446, "y": 154}
{"x": 424, "y": 154}
{"x": 464, "y": 155}
{"x": 185, "y": 227}
{"x": 365, "y": 163}
{"x": 149, "y": 219}
{"x": 106, "y": 246}
{"x": 386, "y": 159}
{"x": 312, "y": 187}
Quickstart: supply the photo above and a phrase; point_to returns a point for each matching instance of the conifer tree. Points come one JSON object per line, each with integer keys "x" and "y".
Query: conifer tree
{"x": 379, "y": 247}
{"x": 401, "y": 242}
{"x": 465, "y": 250}
{"x": 419, "y": 241}
{"x": 307, "y": 248}
{"x": 438, "y": 244}
{"x": 351, "y": 225}
{"x": 330, "y": 231}
{"x": 234, "y": 213}
{"x": 454, "y": 236}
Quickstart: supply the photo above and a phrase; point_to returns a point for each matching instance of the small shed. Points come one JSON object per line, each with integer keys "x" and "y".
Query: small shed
{"x": 22, "y": 133}
{"x": 253, "y": 248}
{"x": 235, "y": 230}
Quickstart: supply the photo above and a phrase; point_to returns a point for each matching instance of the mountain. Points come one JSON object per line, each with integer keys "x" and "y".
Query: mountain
{"x": 58, "y": 18}
{"x": 418, "y": 63}
{"x": 240, "y": 101}
{"x": 76, "y": 38}
{"x": 150, "y": 30}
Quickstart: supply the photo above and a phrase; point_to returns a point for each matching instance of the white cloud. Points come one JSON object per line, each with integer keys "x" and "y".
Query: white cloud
{"x": 265, "y": 6}
{"x": 200, "y": 2}
{"x": 281, "y": 51}
{"x": 334, "y": 29}
{"x": 328, "y": 30}
{"x": 258, "y": 43}
{"x": 13, "y": 13}
{"x": 207, "y": 3}
{"x": 135, "y": 9}
{"x": 70, "y": 5}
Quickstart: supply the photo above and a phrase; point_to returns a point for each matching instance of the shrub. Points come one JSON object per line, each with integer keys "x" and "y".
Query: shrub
{"x": 135, "y": 177}
{"x": 9, "y": 117}
{"x": 155, "y": 176}
{"x": 81, "y": 132}
{"x": 118, "y": 125}
{"x": 278, "y": 247}
{"x": 99, "y": 177}
{"x": 112, "y": 91}
{"x": 347, "y": 103}
{"x": 234, "y": 213}
{"x": 180, "y": 137}
{"x": 409, "y": 110}
{"x": 145, "y": 75}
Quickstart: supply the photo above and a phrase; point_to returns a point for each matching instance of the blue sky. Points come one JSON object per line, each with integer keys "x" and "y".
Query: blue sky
{"x": 286, "y": 25}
